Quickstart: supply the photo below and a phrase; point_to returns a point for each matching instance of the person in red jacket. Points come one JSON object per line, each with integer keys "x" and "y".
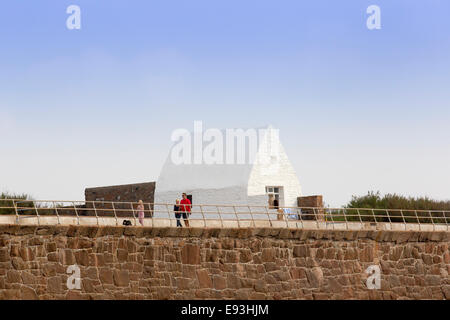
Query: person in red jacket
{"x": 185, "y": 207}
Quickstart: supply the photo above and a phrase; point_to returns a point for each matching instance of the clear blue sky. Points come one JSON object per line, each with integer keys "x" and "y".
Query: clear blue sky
{"x": 357, "y": 109}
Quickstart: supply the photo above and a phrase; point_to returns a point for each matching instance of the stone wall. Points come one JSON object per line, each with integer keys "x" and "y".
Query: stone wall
{"x": 121, "y": 193}
{"x": 197, "y": 263}
{"x": 311, "y": 202}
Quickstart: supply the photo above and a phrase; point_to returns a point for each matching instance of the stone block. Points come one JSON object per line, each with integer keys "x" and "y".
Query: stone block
{"x": 121, "y": 278}
{"x": 301, "y": 251}
{"x": 28, "y": 293}
{"x": 315, "y": 277}
{"x": 82, "y": 257}
{"x": 122, "y": 255}
{"x": 245, "y": 255}
{"x": 268, "y": 255}
{"x": 4, "y": 255}
{"x": 204, "y": 279}
{"x": 55, "y": 284}
{"x": 190, "y": 254}
{"x": 232, "y": 256}
{"x": 13, "y": 276}
{"x": 219, "y": 282}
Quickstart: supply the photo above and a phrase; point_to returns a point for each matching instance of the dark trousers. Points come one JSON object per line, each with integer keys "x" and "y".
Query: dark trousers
{"x": 178, "y": 216}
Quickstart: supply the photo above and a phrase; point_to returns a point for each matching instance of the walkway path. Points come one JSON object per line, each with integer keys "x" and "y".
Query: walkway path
{"x": 215, "y": 223}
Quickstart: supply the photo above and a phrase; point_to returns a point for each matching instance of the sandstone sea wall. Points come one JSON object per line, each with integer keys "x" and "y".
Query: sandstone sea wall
{"x": 198, "y": 263}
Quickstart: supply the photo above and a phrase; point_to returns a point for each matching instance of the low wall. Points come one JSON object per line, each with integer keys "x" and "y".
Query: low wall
{"x": 199, "y": 263}
{"x": 121, "y": 193}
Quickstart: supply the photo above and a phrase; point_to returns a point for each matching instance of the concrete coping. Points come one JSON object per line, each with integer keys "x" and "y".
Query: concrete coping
{"x": 242, "y": 233}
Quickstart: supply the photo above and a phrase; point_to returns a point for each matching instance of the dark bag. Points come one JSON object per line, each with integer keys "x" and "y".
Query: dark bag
{"x": 126, "y": 222}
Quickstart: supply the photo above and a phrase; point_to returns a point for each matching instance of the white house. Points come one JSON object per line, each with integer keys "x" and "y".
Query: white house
{"x": 266, "y": 171}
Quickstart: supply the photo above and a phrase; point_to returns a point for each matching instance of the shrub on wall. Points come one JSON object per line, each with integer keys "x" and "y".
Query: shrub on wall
{"x": 4, "y": 202}
{"x": 411, "y": 207}
{"x": 395, "y": 201}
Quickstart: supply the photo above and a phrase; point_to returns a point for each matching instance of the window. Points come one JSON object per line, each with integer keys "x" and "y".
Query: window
{"x": 274, "y": 196}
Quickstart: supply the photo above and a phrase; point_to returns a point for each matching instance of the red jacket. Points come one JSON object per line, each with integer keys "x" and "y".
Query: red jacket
{"x": 185, "y": 205}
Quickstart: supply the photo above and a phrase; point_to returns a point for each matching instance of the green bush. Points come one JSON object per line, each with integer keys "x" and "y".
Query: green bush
{"x": 7, "y": 205}
{"x": 394, "y": 201}
{"x": 410, "y": 207}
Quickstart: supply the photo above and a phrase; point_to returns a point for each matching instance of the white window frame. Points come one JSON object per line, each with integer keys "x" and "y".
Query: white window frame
{"x": 277, "y": 194}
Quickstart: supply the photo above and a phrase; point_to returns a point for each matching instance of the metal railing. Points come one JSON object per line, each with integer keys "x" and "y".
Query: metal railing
{"x": 220, "y": 215}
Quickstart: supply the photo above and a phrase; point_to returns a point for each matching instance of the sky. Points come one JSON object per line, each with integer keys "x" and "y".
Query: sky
{"x": 357, "y": 109}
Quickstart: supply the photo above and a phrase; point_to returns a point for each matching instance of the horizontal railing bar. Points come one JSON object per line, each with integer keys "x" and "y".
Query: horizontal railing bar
{"x": 239, "y": 212}
{"x": 220, "y": 205}
{"x": 229, "y": 213}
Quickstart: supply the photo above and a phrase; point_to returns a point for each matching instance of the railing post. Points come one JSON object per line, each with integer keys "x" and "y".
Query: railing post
{"x": 37, "y": 212}
{"x": 432, "y": 222}
{"x": 375, "y": 218}
{"x": 237, "y": 218}
{"x": 445, "y": 219}
{"x": 203, "y": 215}
{"x": 152, "y": 212}
{"x": 56, "y": 210}
{"x": 168, "y": 214}
{"x": 220, "y": 215}
{"x": 418, "y": 221}
{"x": 360, "y": 220}
{"x": 76, "y": 213}
{"x": 286, "y": 217}
{"x": 389, "y": 218}
{"x": 317, "y": 219}
{"x": 444, "y": 215}
{"x": 345, "y": 218}
{"x": 251, "y": 214}
{"x": 300, "y": 216}
{"x": 115, "y": 215}
{"x": 332, "y": 220}
{"x": 132, "y": 211}
{"x": 268, "y": 216}
{"x": 403, "y": 218}
{"x": 95, "y": 211}
{"x": 15, "y": 210}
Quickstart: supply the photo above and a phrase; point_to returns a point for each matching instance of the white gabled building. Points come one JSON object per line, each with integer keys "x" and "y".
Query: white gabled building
{"x": 266, "y": 170}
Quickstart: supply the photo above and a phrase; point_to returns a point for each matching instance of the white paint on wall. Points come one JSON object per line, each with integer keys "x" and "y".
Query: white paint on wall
{"x": 233, "y": 184}
{"x": 280, "y": 175}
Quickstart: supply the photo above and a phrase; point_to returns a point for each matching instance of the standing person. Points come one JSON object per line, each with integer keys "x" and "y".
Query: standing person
{"x": 176, "y": 209}
{"x": 140, "y": 209}
{"x": 185, "y": 206}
